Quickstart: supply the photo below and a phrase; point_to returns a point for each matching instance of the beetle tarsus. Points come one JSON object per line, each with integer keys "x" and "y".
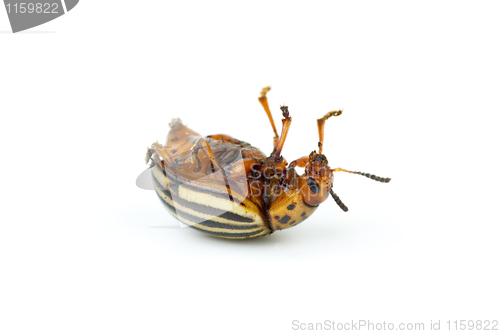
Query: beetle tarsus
{"x": 197, "y": 169}
{"x": 149, "y": 157}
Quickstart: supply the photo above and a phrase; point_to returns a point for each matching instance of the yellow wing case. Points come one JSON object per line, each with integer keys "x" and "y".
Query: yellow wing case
{"x": 208, "y": 210}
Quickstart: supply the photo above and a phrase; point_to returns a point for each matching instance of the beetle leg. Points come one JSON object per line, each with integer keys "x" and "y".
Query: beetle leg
{"x": 202, "y": 144}
{"x": 265, "y": 105}
{"x": 287, "y": 121}
{"x": 321, "y": 126}
{"x": 300, "y": 162}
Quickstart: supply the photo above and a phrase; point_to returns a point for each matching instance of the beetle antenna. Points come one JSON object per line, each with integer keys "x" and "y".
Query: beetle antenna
{"x": 338, "y": 201}
{"x": 370, "y": 176}
{"x": 321, "y": 126}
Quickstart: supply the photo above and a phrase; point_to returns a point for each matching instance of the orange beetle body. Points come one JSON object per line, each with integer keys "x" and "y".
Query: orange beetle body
{"x": 227, "y": 188}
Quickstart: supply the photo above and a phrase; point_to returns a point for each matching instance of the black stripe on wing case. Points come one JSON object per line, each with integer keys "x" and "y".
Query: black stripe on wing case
{"x": 225, "y": 234}
{"x": 208, "y": 222}
{"x": 209, "y": 210}
{"x": 210, "y": 191}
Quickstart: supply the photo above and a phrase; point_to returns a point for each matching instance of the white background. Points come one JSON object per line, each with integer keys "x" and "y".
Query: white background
{"x": 82, "y": 97}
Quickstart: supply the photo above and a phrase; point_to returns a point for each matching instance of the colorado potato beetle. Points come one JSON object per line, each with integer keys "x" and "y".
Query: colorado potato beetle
{"x": 227, "y": 188}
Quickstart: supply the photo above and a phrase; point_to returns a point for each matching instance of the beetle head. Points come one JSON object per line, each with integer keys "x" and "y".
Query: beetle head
{"x": 316, "y": 182}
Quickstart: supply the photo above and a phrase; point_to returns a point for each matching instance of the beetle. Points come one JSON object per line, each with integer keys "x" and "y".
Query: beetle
{"x": 227, "y": 188}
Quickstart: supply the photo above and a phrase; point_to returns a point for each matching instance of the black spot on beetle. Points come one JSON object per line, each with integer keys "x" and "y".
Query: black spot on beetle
{"x": 293, "y": 223}
{"x": 175, "y": 139}
{"x": 285, "y": 219}
{"x": 278, "y": 228}
{"x": 303, "y": 214}
{"x": 276, "y": 217}
{"x": 173, "y": 151}
{"x": 291, "y": 206}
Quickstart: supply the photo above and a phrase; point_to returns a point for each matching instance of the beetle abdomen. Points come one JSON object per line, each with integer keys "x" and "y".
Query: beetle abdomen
{"x": 208, "y": 211}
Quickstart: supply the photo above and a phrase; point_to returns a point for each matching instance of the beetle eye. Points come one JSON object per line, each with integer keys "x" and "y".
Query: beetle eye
{"x": 313, "y": 186}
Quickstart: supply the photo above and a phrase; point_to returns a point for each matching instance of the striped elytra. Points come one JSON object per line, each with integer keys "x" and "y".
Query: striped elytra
{"x": 226, "y": 188}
